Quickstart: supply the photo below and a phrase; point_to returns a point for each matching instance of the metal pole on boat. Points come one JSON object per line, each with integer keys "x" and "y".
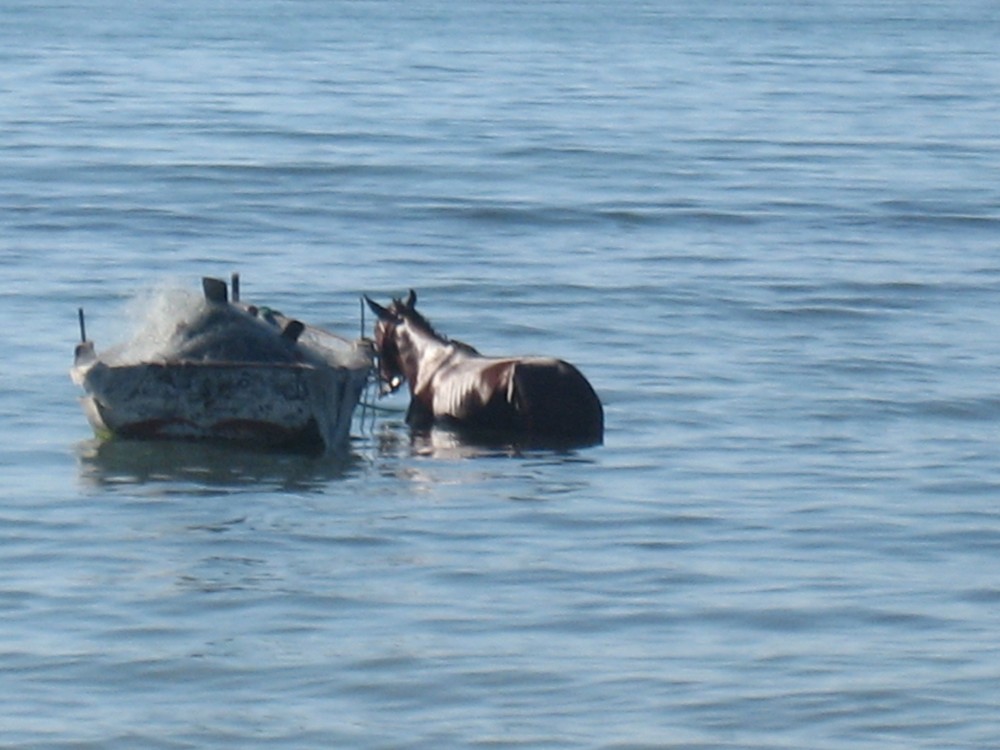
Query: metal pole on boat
{"x": 83, "y": 326}
{"x": 235, "y": 287}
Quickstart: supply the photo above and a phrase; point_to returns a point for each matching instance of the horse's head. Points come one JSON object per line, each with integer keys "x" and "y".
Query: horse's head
{"x": 391, "y": 371}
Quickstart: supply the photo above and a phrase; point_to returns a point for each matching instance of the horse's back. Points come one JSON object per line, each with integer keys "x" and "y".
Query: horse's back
{"x": 554, "y": 399}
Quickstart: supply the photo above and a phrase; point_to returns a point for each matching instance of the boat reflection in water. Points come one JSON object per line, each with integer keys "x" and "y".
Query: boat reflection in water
{"x": 182, "y": 466}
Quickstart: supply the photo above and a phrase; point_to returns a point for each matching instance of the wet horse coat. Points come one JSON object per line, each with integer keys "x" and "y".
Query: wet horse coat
{"x": 450, "y": 382}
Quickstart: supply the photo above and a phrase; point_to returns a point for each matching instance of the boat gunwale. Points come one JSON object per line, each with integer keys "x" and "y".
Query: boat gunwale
{"x": 222, "y": 365}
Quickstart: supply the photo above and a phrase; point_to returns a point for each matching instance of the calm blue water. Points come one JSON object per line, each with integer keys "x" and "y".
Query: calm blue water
{"x": 768, "y": 232}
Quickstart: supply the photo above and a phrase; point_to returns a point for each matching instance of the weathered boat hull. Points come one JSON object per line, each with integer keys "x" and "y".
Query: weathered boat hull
{"x": 263, "y": 404}
{"x": 228, "y": 373}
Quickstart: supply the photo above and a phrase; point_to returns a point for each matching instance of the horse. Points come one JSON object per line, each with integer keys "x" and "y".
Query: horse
{"x": 452, "y": 384}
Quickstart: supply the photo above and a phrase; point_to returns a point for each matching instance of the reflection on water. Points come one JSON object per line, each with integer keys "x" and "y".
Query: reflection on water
{"x": 389, "y": 447}
{"x": 398, "y": 440}
{"x": 435, "y": 460}
{"x": 126, "y": 462}
{"x": 445, "y": 443}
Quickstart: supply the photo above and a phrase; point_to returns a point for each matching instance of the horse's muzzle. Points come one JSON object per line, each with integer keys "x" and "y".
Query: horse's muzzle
{"x": 391, "y": 385}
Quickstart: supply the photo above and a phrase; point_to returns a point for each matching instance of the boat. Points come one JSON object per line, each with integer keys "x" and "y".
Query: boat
{"x": 227, "y": 371}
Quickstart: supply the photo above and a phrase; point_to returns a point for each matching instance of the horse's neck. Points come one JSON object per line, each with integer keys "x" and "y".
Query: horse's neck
{"x": 424, "y": 353}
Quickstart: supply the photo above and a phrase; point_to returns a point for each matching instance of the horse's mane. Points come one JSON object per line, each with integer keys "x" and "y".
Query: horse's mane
{"x": 417, "y": 320}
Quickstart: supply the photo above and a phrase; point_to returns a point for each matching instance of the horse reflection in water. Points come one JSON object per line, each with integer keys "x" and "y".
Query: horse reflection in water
{"x": 531, "y": 399}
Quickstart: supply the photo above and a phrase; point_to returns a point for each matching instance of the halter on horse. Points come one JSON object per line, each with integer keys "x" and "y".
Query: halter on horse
{"x": 452, "y": 383}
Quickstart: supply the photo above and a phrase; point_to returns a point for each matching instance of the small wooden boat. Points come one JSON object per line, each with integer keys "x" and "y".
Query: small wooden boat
{"x": 228, "y": 371}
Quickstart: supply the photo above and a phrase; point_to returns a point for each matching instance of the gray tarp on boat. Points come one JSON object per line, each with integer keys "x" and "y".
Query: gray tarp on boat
{"x": 228, "y": 371}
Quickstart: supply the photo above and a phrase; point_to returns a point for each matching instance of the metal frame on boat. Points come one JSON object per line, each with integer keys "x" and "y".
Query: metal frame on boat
{"x": 229, "y": 371}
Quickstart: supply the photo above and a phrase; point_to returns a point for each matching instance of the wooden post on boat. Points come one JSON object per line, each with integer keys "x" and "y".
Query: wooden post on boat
{"x": 292, "y": 330}
{"x": 234, "y": 285}
{"x": 215, "y": 290}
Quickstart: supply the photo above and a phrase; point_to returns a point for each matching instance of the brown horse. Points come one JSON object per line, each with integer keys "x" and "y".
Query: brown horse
{"x": 451, "y": 383}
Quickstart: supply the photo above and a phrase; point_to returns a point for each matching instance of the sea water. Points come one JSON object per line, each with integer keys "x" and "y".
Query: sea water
{"x": 768, "y": 233}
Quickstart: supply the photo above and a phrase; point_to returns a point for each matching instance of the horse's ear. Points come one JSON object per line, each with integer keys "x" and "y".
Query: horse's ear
{"x": 411, "y": 300}
{"x": 382, "y": 312}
